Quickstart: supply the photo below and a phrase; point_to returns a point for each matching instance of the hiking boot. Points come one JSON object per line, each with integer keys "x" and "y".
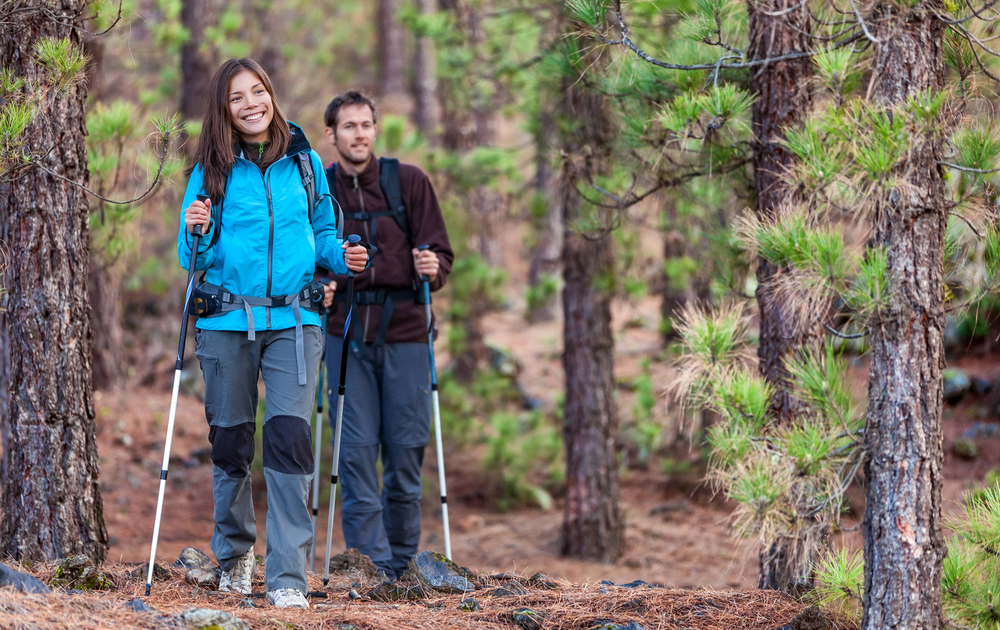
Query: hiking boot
{"x": 288, "y": 598}
{"x": 238, "y": 579}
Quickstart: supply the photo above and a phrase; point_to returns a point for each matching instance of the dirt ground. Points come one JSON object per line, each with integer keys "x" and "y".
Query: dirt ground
{"x": 677, "y": 534}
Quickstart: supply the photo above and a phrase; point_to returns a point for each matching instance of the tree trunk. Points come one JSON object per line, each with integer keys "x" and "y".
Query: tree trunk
{"x": 780, "y": 27}
{"x": 592, "y": 525}
{"x": 197, "y": 67}
{"x": 50, "y": 500}
{"x": 904, "y": 547}
{"x": 391, "y": 54}
{"x": 105, "y": 293}
{"x": 428, "y": 109}
{"x": 783, "y": 99}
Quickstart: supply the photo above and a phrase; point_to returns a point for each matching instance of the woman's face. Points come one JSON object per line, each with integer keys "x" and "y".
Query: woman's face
{"x": 250, "y": 107}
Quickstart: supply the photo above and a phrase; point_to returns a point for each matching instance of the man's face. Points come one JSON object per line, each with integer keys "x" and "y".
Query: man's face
{"x": 354, "y": 136}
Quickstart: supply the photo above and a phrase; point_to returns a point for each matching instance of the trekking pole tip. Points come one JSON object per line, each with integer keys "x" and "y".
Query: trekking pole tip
{"x": 147, "y": 590}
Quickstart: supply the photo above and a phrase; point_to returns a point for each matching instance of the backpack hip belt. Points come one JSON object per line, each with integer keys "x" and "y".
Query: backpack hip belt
{"x": 209, "y": 300}
{"x": 386, "y": 299}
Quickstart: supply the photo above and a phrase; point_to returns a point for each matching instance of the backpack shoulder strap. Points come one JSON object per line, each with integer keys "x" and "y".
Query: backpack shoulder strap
{"x": 393, "y": 190}
{"x": 304, "y": 160}
{"x": 331, "y": 179}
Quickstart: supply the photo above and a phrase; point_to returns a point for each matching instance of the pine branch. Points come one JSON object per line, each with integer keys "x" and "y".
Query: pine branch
{"x": 162, "y": 156}
{"x": 626, "y": 41}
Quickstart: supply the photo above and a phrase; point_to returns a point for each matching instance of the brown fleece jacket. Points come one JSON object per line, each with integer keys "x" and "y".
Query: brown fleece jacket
{"x": 391, "y": 266}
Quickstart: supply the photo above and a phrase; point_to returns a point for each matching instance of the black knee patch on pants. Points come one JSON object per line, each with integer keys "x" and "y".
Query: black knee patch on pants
{"x": 232, "y": 448}
{"x": 288, "y": 446}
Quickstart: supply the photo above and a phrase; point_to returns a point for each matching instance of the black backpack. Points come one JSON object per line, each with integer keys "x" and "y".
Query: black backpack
{"x": 392, "y": 190}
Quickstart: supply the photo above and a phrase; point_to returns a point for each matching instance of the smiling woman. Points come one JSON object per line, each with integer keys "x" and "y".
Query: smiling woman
{"x": 251, "y": 163}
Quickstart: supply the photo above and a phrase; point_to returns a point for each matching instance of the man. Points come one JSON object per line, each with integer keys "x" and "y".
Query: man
{"x": 387, "y": 404}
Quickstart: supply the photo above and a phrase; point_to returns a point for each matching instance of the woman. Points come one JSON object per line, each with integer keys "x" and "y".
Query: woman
{"x": 259, "y": 248}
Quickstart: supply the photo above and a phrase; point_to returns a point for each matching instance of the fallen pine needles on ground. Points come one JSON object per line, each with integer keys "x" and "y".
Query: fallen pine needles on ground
{"x": 555, "y": 605}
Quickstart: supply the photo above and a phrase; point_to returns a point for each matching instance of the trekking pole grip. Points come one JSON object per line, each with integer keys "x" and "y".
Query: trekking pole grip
{"x": 196, "y": 231}
{"x": 423, "y": 276}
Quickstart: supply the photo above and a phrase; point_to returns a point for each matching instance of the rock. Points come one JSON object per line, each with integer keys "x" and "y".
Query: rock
{"x": 984, "y": 430}
{"x": 469, "y": 605}
{"x": 352, "y": 559}
{"x": 956, "y": 385}
{"x": 205, "y": 618}
{"x": 510, "y": 589}
{"x": 965, "y": 448}
{"x": 604, "y": 624}
{"x": 138, "y": 605}
{"x": 540, "y": 580}
{"x": 191, "y": 558}
{"x": 504, "y": 362}
{"x": 682, "y": 506}
{"x": 527, "y": 619}
{"x": 391, "y": 592}
{"x": 21, "y": 581}
{"x": 809, "y": 619}
{"x": 434, "y": 571}
{"x": 637, "y": 584}
{"x": 247, "y": 603}
{"x": 981, "y": 386}
{"x": 80, "y": 572}
{"x": 203, "y": 576}
{"x": 142, "y": 571}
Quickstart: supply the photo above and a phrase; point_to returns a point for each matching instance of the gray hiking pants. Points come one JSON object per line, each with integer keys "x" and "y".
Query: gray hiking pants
{"x": 387, "y": 412}
{"x": 231, "y": 364}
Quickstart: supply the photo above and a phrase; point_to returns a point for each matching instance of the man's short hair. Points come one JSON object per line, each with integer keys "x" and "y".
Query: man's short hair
{"x": 350, "y": 97}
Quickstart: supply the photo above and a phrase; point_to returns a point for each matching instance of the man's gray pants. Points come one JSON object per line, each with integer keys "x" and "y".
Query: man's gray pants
{"x": 231, "y": 364}
{"x": 387, "y": 412}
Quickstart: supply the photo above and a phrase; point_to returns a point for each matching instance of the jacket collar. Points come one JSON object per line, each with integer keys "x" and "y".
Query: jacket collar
{"x": 297, "y": 143}
{"x": 366, "y": 178}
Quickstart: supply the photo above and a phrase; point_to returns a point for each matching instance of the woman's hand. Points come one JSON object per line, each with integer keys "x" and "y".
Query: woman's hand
{"x": 356, "y": 257}
{"x": 198, "y": 213}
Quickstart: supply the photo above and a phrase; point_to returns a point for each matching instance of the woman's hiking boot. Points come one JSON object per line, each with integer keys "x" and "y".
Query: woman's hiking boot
{"x": 238, "y": 578}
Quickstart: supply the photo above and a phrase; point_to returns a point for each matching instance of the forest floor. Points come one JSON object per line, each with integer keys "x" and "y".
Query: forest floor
{"x": 677, "y": 532}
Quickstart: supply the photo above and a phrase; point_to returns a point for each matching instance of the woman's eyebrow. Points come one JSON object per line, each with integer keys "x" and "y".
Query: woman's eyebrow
{"x": 251, "y": 89}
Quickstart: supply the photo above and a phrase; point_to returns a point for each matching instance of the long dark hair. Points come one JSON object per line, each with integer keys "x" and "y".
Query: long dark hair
{"x": 215, "y": 146}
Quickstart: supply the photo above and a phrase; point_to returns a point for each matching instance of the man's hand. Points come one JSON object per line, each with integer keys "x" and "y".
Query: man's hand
{"x": 198, "y": 213}
{"x": 328, "y": 290}
{"x": 356, "y": 257}
{"x": 426, "y": 263}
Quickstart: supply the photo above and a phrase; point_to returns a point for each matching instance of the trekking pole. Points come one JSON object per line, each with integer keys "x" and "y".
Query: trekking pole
{"x": 316, "y": 443}
{"x": 437, "y": 413}
{"x": 196, "y": 237}
{"x": 353, "y": 239}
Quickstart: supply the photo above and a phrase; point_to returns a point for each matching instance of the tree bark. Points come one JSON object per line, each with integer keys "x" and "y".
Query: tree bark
{"x": 391, "y": 78}
{"x": 51, "y": 502}
{"x": 197, "y": 67}
{"x": 105, "y": 294}
{"x": 784, "y": 96}
{"x": 783, "y": 99}
{"x": 904, "y": 547}
{"x": 428, "y": 109}
{"x": 592, "y": 525}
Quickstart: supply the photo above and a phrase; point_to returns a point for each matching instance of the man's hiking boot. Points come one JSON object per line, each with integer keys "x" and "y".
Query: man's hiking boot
{"x": 288, "y": 598}
{"x": 238, "y": 578}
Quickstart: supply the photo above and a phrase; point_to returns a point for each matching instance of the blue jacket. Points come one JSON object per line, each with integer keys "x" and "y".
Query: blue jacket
{"x": 266, "y": 247}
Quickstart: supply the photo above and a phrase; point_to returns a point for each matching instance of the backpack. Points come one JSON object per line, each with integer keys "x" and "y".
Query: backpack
{"x": 392, "y": 190}
{"x": 304, "y": 161}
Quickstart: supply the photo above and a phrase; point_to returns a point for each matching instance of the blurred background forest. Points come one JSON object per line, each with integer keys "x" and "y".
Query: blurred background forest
{"x": 597, "y": 201}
